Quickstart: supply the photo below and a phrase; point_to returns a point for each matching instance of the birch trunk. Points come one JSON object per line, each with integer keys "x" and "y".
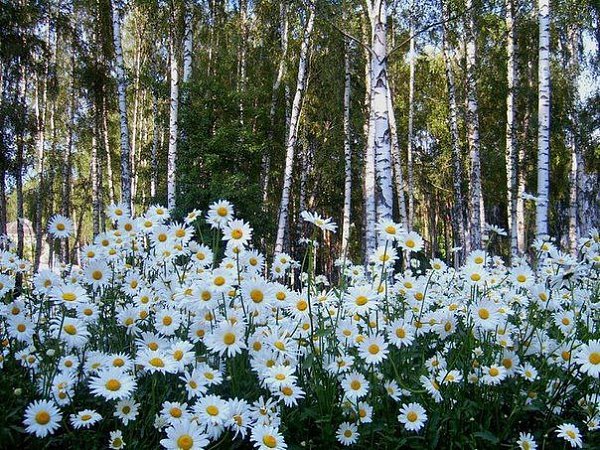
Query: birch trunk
{"x": 475, "y": 198}
{"x": 155, "y": 143}
{"x": 543, "y": 169}
{"x": 188, "y": 42}
{"x": 22, "y": 83}
{"x": 173, "y": 112}
{"x": 369, "y": 188}
{"x": 347, "y": 150}
{"x": 458, "y": 222}
{"x": 266, "y": 160}
{"x": 105, "y": 138}
{"x": 397, "y": 162}
{"x": 379, "y": 109}
{"x": 243, "y": 48}
{"x": 409, "y": 143}
{"x": 293, "y": 129}
{"x": 122, "y": 89}
{"x": 521, "y": 175}
{"x": 573, "y": 68}
{"x": 95, "y": 193}
{"x": 511, "y": 150}
{"x": 66, "y": 160}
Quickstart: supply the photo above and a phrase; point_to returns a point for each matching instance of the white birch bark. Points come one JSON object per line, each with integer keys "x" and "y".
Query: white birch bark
{"x": 511, "y": 147}
{"x": 573, "y": 68}
{"x": 409, "y": 143}
{"x": 347, "y": 150}
{"x": 475, "y": 197}
{"x": 107, "y": 151}
{"x": 369, "y": 185}
{"x": 458, "y": 222}
{"x": 155, "y": 141}
{"x": 281, "y": 69}
{"x": 243, "y": 50}
{"x": 379, "y": 109}
{"x": 293, "y": 130}
{"x": 122, "y": 89}
{"x": 188, "y": 42}
{"x": 397, "y": 163}
{"x": 173, "y": 113}
{"x": 543, "y": 168}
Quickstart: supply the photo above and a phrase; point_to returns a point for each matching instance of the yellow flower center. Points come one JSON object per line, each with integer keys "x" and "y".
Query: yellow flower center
{"x": 279, "y": 345}
{"x": 390, "y": 229}
{"x": 228, "y": 338}
{"x": 118, "y": 362}
{"x": 475, "y": 277}
{"x": 269, "y": 440}
{"x": 571, "y": 434}
{"x": 185, "y": 442}
{"x": 412, "y": 416}
{"x": 280, "y": 377}
{"x": 69, "y": 296}
{"x": 410, "y": 243}
{"x": 494, "y": 372}
{"x": 361, "y": 300}
{"x": 301, "y": 305}
{"x": 176, "y": 412}
{"x": 237, "y": 233}
{"x": 42, "y": 417}
{"x": 257, "y": 295}
{"x": 355, "y": 385}
{"x": 157, "y": 362}
{"x": 286, "y": 390}
{"x": 212, "y": 410}
{"x": 521, "y": 278}
{"x": 595, "y": 358}
{"x": 219, "y": 281}
{"x": 483, "y": 314}
{"x": 60, "y": 226}
{"x": 21, "y": 328}
{"x": 565, "y": 321}
{"x": 373, "y": 349}
{"x": 70, "y": 329}
{"x": 167, "y": 320}
{"x": 113, "y": 385}
{"x": 348, "y": 433}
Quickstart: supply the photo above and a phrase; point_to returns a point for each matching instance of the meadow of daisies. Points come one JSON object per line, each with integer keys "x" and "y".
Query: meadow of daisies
{"x": 167, "y": 337}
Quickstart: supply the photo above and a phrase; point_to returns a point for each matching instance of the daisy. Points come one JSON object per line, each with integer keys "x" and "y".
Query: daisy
{"x": 571, "y": 434}
{"x": 279, "y": 376}
{"x": 528, "y": 372}
{"x": 360, "y": 299}
{"x": 290, "y": 395}
{"x": 116, "y": 440}
{"x": 400, "y": 333}
{"x": 238, "y": 232}
{"x": 185, "y": 435}
{"x": 411, "y": 242}
{"x": 97, "y": 273}
{"x": 325, "y": 224}
{"x": 73, "y": 332}
{"x": 355, "y": 385}
{"x": 69, "y": 295}
{"x": 42, "y": 417}
{"x": 493, "y": 374}
{"x": 526, "y": 441}
{"x": 84, "y": 419}
{"x": 175, "y": 412}
{"x": 432, "y": 388}
{"x": 212, "y": 410}
{"x": 347, "y": 433}
{"x": 389, "y": 230}
{"x": 412, "y": 416}
{"x": 588, "y": 357}
{"x": 117, "y": 212}
{"x": 267, "y": 438}
{"x": 60, "y": 226}
{"x": 219, "y": 213}
{"x": 126, "y": 410}
{"x": 227, "y": 338}
{"x": 485, "y": 315}
{"x": 167, "y": 321}
{"x": 156, "y": 361}
{"x": 112, "y": 384}
{"x": 384, "y": 255}
{"x": 373, "y": 349}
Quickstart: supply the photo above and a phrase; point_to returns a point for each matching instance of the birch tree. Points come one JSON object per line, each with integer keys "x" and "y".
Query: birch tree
{"x": 173, "y": 113}
{"x": 458, "y": 222}
{"x": 475, "y": 196}
{"x": 292, "y": 137}
{"x": 122, "y": 90}
{"x": 511, "y": 150}
{"x": 576, "y": 157}
{"x": 409, "y": 142}
{"x": 347, "y": 150}
{"x": 397, "y": 164}
{"x": 379, "y": 109}
{"x": 543, "y": 168}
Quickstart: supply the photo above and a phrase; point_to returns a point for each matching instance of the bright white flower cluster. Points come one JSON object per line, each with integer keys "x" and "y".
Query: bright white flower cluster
{"x": 226, "y": 344}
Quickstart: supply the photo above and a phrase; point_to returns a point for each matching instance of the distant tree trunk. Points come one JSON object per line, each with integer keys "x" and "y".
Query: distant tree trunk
{"x": 3, "y": 212}
{"x": 397, "y": 162}
{"x": 409, "y": 143}
{"x": 572, "y": 142}
{"x": 477, "y": 220}
{"x": 122, "y": 89}
{"x": 521, "y": 173}
{"x": 379, "y": 109}
{"x": 106, "y": 140}
{"x": 266, "y": 159}
{"x": 347, "y": 151}
{"x": 293, "y": 129}
{"x": 66, "y": 157}
{"x": 511, "y": 150}
{"x": 458, "y": 223}
{"x": 543, "y": 168}
{"x": 22, "y": 83}
{"x": 173, "y": 112}
{"x": 95, "y": 181}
